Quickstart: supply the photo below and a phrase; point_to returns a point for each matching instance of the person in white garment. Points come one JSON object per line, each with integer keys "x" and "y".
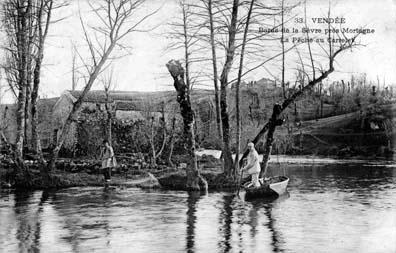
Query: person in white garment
{"x": 108, "y": 160}
{"x": 253, "y": 166}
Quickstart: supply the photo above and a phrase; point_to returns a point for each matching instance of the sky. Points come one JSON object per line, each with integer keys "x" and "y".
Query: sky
{"x": 144, "y": 69}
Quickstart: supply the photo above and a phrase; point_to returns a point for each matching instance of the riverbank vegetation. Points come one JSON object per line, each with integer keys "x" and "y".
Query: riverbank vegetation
{"x": 218, "y": 43}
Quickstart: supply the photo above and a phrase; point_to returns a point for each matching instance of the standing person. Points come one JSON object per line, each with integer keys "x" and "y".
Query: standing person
{"x": 253, "y": 166}
{"x": 108, "y": 160}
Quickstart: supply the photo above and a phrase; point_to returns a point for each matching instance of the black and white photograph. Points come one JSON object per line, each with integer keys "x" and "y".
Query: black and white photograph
{"x": 198, "y": 126}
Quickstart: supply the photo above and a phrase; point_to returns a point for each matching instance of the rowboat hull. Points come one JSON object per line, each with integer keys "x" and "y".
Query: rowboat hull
{"x": 274, "y": 186}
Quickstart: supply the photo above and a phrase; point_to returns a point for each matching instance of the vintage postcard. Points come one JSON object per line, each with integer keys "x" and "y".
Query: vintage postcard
{"x": 198, "y": 126}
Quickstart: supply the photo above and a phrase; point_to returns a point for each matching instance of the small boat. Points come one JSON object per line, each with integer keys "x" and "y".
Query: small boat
{"x": 273, "y": 186}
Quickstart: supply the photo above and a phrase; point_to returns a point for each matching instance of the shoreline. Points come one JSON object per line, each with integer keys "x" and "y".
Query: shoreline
{"x": 62, "y": 180}
{"x": 171, "y": 178}
{"x": 310, "y": 159}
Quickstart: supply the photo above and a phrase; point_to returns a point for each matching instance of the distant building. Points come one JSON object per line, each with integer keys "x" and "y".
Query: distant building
{"x": 8, "y": 120}
{"x": 263, "y": 83}
{"x": 126, "y": 105}
{"x": 267, "y": 83}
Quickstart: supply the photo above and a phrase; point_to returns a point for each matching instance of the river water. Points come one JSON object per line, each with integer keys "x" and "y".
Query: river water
{"x": 329, "y": 208}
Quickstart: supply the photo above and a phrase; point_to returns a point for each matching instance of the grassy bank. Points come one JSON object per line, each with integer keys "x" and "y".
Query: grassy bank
{"x": 174, "y": 179}
{"x": 177, "y": 181}
{"x": 60, "y": 179}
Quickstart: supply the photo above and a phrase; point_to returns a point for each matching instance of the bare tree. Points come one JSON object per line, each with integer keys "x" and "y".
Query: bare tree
{"x": 108, "y": 85}
{"x": 283, "y": 48}
{"x": 218, "y": 24}
{"x": 226, "y": 31}
{"x": 152, "y": 134}
{"x": 43, "y": 16}
{"x": 29, "y": 62}
{"x": 74, "y": 67}
{"x": 230, "y": 52}
{"x": 237, "y": 86}
{"x": 171, "y": 141}
{"x": 209, "y": 6}
{"x": 118, "y": 20}
{"x": 187, "y": 43}
{"x": 184, "y": 36}
{"x": 195, "y": 181}
{"x": 337, "y": 44}
{"x": 16, "y": 16}
{"x": 26, "y": 24}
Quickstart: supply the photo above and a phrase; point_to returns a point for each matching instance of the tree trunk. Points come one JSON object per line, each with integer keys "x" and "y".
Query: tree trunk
{"x": 186, "y": 49}
{"x": 283, "y": 50}
{"x": 214, "y": 62}
{"x": 238, "y": 83}
{"x": 109, "y": 118}
{"x": 228, "y": 163}
{"x": 195, "y": 181}
{"x": 22, "y": 47}
{"x": 20, "y": 120}
{"x": 109, "y": 132}
{"x": 273, "y": 122}
{"x": 153, "y": 154}
{"x": 156, "y": 154}
{"x": 42, "y": 34}
{"x": 35, "y": 133}
{"x": 163, "y": 125}
{"x": 26, "y": 141}
{"x": 29, "y": 61}
{"x": 171, "y": 141}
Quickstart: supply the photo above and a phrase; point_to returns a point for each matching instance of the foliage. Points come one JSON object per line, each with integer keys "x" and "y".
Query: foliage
{"x": 90, "y": 132}
{"x": 130, "y": 136}
{"x": 356, "y": 94}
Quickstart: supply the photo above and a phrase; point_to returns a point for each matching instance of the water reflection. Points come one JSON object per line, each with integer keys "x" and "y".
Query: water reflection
{"x": 37, "y": 234}
{"x": 241, "y": 224}
{"x": 28, "y": 215}
{"x": 330, "y": 209}
{"x": 25, "y": 224}
{"x": 107, "y": 213}
{"x": 193, "y": 198}
{"x": 267, "y": 205}
{"x": 225, "y": 221}
{"x": 94, "y": 225}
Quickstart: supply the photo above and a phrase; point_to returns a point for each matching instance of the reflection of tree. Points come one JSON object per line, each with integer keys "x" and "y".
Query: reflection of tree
{"x": 274, "y": 233}
{"x": 107, "y": 199}
{"x": 267, "y": 204}
{"x": 225, "y": 222}
{"x": 37, "y": 235}
{"x": 193, "y": 198}
{"x": 28, "y": 221}
{"x": 79, "y": 227}
{"x": 23, "y": 233}
{"x": 253, "y": 221}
